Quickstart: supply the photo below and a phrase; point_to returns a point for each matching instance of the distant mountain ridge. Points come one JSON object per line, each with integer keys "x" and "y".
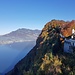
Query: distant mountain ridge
{"x": 19, "y": 35}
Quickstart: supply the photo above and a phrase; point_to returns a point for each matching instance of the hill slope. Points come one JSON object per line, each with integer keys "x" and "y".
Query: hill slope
{"x": 47, "y": 57}
{"x": 19, "y": 35}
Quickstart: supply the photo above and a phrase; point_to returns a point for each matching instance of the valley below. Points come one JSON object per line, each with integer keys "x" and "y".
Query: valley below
{"x": 10, "y": 54}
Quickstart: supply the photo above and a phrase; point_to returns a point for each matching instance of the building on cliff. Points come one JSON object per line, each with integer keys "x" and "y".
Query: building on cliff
{"x": 69, "y": 43}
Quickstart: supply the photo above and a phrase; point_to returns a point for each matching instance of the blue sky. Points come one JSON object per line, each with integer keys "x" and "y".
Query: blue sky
{"x": 33, "y": 14}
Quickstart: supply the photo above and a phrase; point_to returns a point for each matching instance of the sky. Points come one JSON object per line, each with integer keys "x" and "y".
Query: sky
{"x": 33, "y": 14}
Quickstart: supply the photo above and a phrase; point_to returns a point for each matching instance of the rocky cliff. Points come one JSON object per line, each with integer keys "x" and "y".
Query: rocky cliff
{"x": 47, "y": 56}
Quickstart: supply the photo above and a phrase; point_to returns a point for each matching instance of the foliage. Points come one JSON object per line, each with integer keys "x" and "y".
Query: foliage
{"x": 51, "y": 65}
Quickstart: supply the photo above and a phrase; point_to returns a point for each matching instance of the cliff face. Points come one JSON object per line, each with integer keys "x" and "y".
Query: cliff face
{"x": 67, "y": 28}
{"x": 48, "y": 44}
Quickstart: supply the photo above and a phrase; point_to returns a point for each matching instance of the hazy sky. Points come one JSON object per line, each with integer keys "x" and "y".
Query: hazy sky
{"x": 33, "y": 14}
